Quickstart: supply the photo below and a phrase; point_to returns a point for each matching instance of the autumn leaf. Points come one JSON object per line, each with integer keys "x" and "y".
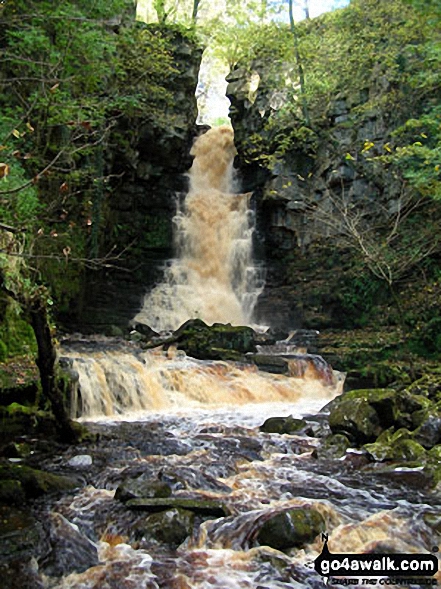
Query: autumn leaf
{"x": 4, "y": 170}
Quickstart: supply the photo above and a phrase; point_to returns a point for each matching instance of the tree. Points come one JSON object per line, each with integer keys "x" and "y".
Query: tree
{"x": 299, "y": 64}
{"x": 62, "y": 93}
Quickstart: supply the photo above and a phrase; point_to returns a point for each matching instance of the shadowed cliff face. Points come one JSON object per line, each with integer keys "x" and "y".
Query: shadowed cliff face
{"x": 147, "y": 161}
{"x": 313, "y": 186}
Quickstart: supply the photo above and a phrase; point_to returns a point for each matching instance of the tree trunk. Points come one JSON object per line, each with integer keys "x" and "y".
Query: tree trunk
{"x": 194, "y": 15}
{"x": 299, "y": 64}
{"x": 46, "y": 362}
{"x": 306, "y": 9}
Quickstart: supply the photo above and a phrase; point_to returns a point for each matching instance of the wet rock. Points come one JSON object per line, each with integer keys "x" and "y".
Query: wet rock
{"x": 199, "y": 506}
{"x": 292, "y": 528}
{"x": 21, "y": 574}
{"x": 285, "y": 425}
{"x": 36, "y": 482}
{"x": 428, "y": 434}
{"x": 362, "y": 415}
{"x": 20, "y": 541}
{"x": 71, "y": 551}
{"x": 142, "y": 487}
{"x": 332, "y": 447}
{"x": 268, "y": 363}
{"x": 169, "y": 527}
{"x": 216, "y": 342}
{"x": 145, "y": 330}
{"x": 80, "y": 461}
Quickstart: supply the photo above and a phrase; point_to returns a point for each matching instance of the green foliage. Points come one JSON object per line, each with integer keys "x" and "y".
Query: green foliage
{"x": 16, "y": 335}
{"x": 360, "y": 294}
{"x": 75, "y": 75}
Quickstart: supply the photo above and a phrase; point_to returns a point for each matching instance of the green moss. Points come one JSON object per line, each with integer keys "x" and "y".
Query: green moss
{"x": 35, "y": 482}
{"x": 292, "y": 528}
{"x": 16, "y": 335}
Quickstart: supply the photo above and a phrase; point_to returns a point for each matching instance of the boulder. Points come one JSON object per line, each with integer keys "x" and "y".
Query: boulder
{"x": 291, "y": 529}
{"x": 170, "y": 527}
{"x": 142, "y": 487}
{"x": 362, "y": 415}
{"x": 332, "y": 447}
{"x": 284, "y": 425}
{"x": 71, "y": 551}
{"x": 216, "y": 342}
{"x": 33, "y": 482}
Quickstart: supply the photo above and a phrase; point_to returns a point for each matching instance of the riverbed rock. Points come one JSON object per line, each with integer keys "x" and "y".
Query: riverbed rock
{"x": 170, "y": 527}
{"x": 285, "y": 425}
{"x": 332, "y": 447}
{"x": 70, "y": 550}
{"x": 199, "y": 506}
{"x": 216, "y": 342}
{"x": 20, "y": 541}
{"x": 142, "y": 487}
{"x": 291, "y": 528}
{"x": 362, "y": 415}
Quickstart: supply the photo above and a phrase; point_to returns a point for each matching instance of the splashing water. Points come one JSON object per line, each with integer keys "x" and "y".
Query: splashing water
{"x": 213, "y": 277}
{"x": 120, "y": 383}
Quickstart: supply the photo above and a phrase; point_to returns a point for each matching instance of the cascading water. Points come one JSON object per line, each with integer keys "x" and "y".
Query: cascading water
{"x": 213, "y": 276}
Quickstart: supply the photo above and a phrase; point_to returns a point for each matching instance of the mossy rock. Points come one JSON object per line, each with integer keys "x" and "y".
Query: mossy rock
{"x": 170, "y": 527}
{"x": 11, "y": 492}
{"x": 142, "y": 487}
{"x": 18, "y": 420}
{"x": 216, "y": 342}
{"x": 283, "y": 425}
{"x": 363, "y": 414}
{"x": 291, "y": 529}
{"x": 332, "y": 447}
{"x": 399, "y": 448}
{"x": 428, "y": 386}
{"x": 36, "y": 482}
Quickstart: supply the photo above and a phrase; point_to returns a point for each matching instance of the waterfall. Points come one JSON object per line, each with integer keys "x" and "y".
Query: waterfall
{"x": 212, "y": 276}
{"x": 120, "y": 382}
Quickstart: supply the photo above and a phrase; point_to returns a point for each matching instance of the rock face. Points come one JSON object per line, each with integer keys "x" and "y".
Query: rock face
{"x": 147, "y": 161}
{"x": 300, "y": 176}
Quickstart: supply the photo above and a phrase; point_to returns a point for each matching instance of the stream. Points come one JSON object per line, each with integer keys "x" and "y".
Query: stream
{"x": 180, "y": 486}
{"x": 201, "y": 436}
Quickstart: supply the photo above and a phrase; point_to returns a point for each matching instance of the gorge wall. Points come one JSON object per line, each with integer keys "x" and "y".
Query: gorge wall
{"x": 146, "y": 161}
{"x": 321, "y": 196}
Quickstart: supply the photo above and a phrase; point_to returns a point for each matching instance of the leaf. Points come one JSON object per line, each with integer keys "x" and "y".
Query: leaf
{"x": 4, "y": 170}
{"x": 16, "y": 133}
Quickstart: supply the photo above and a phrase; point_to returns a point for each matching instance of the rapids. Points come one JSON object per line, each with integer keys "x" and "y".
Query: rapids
{"x": 219, "y": 453}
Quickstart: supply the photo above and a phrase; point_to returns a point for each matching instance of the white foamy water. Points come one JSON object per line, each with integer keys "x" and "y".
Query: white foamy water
{"x": 119, "y": 385}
